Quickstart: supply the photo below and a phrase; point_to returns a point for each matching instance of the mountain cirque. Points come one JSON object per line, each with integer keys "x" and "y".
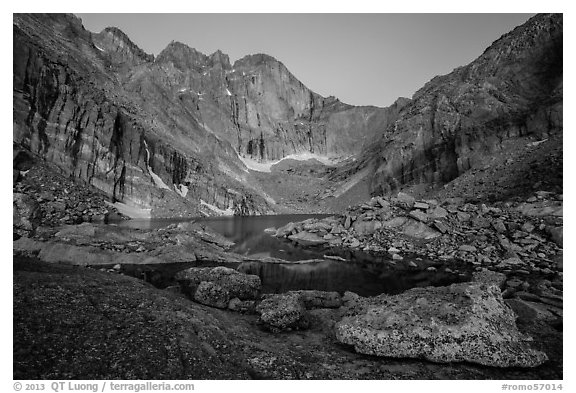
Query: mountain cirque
{"x": 99, "y": 124}
{"x": 169, "y": 134}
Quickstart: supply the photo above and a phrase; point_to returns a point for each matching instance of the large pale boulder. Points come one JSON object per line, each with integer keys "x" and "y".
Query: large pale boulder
{"x": 467, "y": 322}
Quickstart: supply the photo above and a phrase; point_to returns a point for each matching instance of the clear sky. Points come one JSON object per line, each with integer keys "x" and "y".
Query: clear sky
{"x": 363, "y": 59}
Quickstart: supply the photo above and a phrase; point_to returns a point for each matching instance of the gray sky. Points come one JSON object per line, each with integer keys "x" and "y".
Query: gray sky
{"x": 363, "y": 59}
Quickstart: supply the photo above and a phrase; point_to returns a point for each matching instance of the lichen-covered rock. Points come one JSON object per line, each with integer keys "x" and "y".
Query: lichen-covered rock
{"x": 240, "y": 285}
{"x": 319, "y": 299}
{"x": 466, "y": 322}
{"x": 25, "y": 214}
{"x": 243, "y": 306}
{"x": 489, "y": 277}
{"x": 283, "y": 312}
{"x": 212, "y": 294}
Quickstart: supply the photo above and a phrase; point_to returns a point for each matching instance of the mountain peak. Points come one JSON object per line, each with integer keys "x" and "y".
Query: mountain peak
{"x": 256, "y": 60}
{"x": 120, "y": 47}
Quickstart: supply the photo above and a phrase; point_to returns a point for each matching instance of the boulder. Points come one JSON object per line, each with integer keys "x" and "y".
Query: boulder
{"x": 499, "y": 226}
{"x": 405, "y": 200}
{"x": 211, "y": 294}
{"x": 394, "y": 222}
{"x": 556, "y": 234}
{"x": 366, "y": 227}
{"x": 419, "y": 230}
{"x": 307, "y": 239}
{"x": 489, "y": 277}
{"x": 347, "y": 222}
{"x": 467, "y": 322}
{"x": 443, "y": 228}
{"x": 317, "y": 226}
{"x": 243, "y": 306}
{"x": 462, "y": 217}
{"x": 467, "y": 248}
{"x": 419, "y": 215}
{"x": 437, "y": 212}
{"x": 240, "y": 285}
{"x": 25, "y": 214}
{"x": 421, "y": 205}
{"x": 283, "y": 312}
{"x": 319, "y": 299}
{"x": 285, "y": 230}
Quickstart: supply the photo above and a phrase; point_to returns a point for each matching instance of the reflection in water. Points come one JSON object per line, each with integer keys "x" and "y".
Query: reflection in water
{"x": 344, "y": 276}
{"x": 362, "y": 273}
{"x": 248, "y": 234}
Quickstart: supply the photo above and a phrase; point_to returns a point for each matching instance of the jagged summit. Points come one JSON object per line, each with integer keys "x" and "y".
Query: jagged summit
{"x": 256, "y": 60}
{"x": 185, "y": 57}
{"x": 120, "y": 47}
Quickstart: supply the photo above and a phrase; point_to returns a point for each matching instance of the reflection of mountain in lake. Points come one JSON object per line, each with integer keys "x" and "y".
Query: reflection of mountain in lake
{"x": 248, "y": 234}
{"x": 365, "y": 280}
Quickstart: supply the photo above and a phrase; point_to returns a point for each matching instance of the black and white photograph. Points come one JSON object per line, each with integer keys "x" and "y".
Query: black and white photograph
{"x": 286, "y": 196}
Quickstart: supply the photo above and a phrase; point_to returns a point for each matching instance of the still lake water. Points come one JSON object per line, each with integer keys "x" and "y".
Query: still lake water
{"x": 362, "y": 273}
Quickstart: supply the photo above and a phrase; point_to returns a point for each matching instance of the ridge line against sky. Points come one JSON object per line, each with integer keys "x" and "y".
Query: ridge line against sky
{"x": 362, "y": 59}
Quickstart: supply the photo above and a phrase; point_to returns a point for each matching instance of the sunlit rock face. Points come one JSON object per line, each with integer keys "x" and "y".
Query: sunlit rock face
{"x": 455, "y": 121}
{"x": 169, "y": 134}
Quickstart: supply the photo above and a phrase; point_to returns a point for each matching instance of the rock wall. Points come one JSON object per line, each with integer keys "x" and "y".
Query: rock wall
{"x": 70, "y": 110}
{"x": 455, "y": 121}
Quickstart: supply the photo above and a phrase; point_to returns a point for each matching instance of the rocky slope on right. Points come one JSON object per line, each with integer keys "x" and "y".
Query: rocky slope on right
{"x": 456, "y": 122}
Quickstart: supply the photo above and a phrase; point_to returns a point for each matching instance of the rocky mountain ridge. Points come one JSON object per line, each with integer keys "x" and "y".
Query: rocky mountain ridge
{"x": 178, "y": 134}
{"x": 457, "y": 121}
{"x": 169, "y": 134}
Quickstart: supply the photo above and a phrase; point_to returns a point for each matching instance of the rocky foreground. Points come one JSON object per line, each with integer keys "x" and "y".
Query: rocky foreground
{"x": 78, "y": 315}
{"x": 214, "y": 322}
{"x": 74, "y": 322}
{"x": 521, "y": 239}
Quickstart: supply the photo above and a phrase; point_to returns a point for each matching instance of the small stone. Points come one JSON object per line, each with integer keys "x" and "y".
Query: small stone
{"x": 462, "y": 217}
{"x": 412, "y": 264}
{"x": 467, "y": 248}
{"x": 397, "y": 257}
{"x": 419, "y": 215}
{"x": 440, "y": 226}
{"x": 528, "y": 227}
{"x": 421, "y": 205}
{"x": 347, "y": 222}
{"x": 355, "y": 243}
{"x": 405, "y": 200}
{"x": 437, "y": 212}
{"x": 499, "y": 226}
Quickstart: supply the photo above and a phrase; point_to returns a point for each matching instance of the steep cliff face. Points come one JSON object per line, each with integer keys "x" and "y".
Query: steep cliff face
{"x": 169, "y": 134}
{"x": 259, "y": 107}
{"x": 455, "y": 121}
{"x": 116, "y": 45}
{"x": 71, "y": 109}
